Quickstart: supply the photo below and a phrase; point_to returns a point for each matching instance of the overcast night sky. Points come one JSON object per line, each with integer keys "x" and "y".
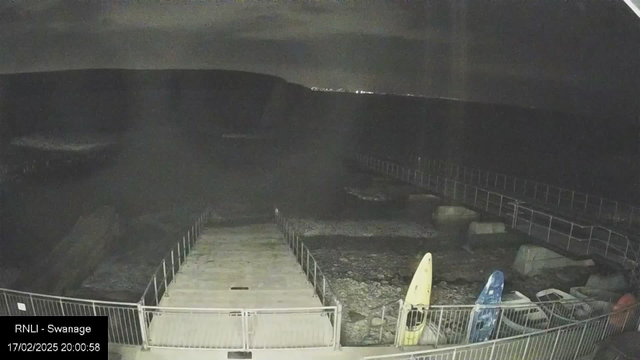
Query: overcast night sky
{"x": 576, "y": 56}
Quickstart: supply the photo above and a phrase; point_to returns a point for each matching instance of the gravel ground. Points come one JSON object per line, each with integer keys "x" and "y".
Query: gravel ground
{"x": 364, "y": 228}
{"x": 367, "y": 272}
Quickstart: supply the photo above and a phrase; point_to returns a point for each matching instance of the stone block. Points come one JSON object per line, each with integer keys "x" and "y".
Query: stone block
{"x": 614, "y": 282}
{"x": 532, "y": 259}
{"x": 448, "y": 214}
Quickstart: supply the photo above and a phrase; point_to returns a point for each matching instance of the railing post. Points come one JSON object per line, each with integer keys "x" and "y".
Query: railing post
{"x": 179, "y": 259}
{"x": 584, "y": 330}
{"x": 530, "y": 223}
{"x": 143, "y": 327}
{"x": 324, "y": 289}
{"x": 164, "y": 271}
{"x": 570, "y": 235}
{"x": 438, "y": 332}
{"x": 516, "y": 210}
{"x": 93, "y": 305}
{"x": 487, "y": 206}
{"x": 586, "y": 201}
{"x": 626, "y": 318}
{"x": 589, "y": 243}
{"x": 338, "y": 325}
{"x": 555, "y": 345}
{"x": 464, "y": 194}
{"x": 33, "y": 306}
{"x": 626, "y": 252}
{"x": 549, "y": 230}
{"x": 470, "y": 326}
{"x": 245, "y": 329}
{"x": 606, "y": 250}
{"x": 546, "y": 195}
{"x": 155, "y": 287}
{"x": 173, "y": 270}
{"x": 501, "y": 312}
{"x": 600, "y": 210}
{"x": 184, "y": 249}
{"x": 606, "y": 327}
{"x": 308, "y": 264}
{"x": 189, "y": 242}
{"x": 62, "y": 307}
{"x": 384, "y": 307}
{"x": 475, "y": 198}
{"x": 559, "y": 195}
{"x": 500, "y": 208}
{"x": 526, "y": 348}
{"x": 400, "y": 324}
{"x": 315, "y": 270}
{"x": 493, "y": 349}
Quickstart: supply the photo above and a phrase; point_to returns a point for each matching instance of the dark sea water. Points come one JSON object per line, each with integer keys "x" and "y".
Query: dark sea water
{"x": 171, "y": 150}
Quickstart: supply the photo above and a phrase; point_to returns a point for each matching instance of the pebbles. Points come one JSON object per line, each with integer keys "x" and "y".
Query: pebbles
{"x": 118, "y": 276}
{"x": 363, "y": 228}
{"x": 362, "y": 312}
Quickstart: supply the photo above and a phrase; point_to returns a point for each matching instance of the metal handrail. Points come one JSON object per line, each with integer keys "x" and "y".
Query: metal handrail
{"x": 161, "y": 269}
{"x": 298, "y": 250}
{"x": 288, "y": 230}
{"x": 493, "y": 343}
{"x": 410, "y": 175}
{"x": 603, "y": 205}
{"x": 55, "y": 297}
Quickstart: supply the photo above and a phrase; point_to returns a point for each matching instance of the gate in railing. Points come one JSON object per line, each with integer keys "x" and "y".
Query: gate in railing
{"x": 241, "y": 329}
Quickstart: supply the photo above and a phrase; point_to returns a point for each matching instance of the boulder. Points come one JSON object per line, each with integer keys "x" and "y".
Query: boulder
{"x": 531, "y": 259}
{"x": 614, "y": 282}
{"x": 482, "y": 228}
{"x": 448, "y": 214}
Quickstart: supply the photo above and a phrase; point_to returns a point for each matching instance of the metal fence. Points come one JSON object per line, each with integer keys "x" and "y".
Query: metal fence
{"x": 311, "y": 269}
{"x": 383, "y": 323}
{"x": 124, "y": 318}
{"x": 568, "y": 342}
{"x": 542, "y": 225}
{"x": 166, "y": 271}
{"x": 147, "y": 324}
{"x": 239, "y": 328}
{"x": 454, "y": 324}
{"x": 592, "y": 206}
